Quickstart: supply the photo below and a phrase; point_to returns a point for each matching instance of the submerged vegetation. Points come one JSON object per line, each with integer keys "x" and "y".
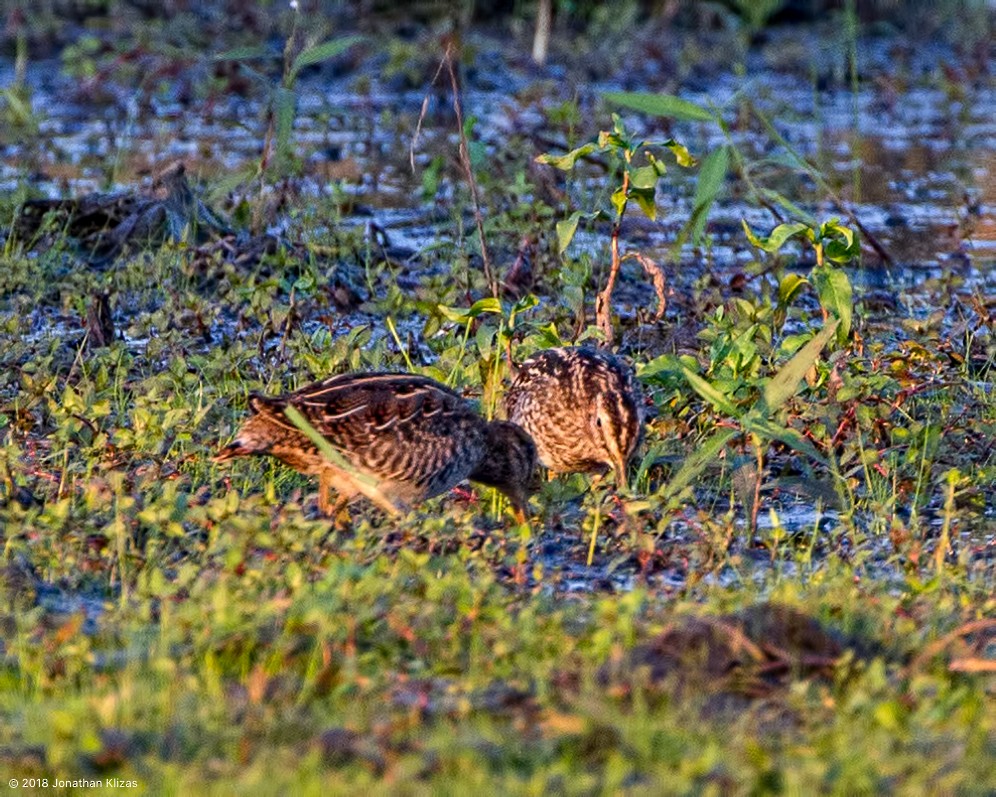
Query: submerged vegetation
{"x": 791, "y": 592}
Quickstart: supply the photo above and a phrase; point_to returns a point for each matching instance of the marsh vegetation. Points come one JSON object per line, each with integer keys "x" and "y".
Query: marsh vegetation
{"x": 787, "y": 226}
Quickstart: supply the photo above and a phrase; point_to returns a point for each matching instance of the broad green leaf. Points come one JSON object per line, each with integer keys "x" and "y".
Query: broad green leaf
{"x": 647, "y": 200}
{"x": 459, "y": 315}
{"x": 782, "y": 386}
{"x": 644, "y": 177}
{"x": 792, "y": 343}
{"x": 485, "y": 339}
{"x": 567, "y": 228}
{"x": 778, "y": 237}
{"x": 619, "y": 199}
{"x": 248, "y": 53}
{"x": 526, "y": 303}
{"x": 712, "y": 174}
{"x": 463, "y": 315}
{"x": 839, "y": 252}
{"x": 660, "y": 105}
{"x": 321, "y": 52}
{"x": 680, "y": 152}
{"x": 836, "y": 295}
{"x": 663, "y": 364}
{"x": 659, "y": 166}
{"x": 833, "y": 228}
{"x": 488, "y": 305}
{"x": 769, "y": 430}
{"x": 711, "y": 394}
{"x": 776, "y": 198}
{"x": 698, "y": 461}
{"x": 548, "y": 336}
{"x": 566, "y": 162}
{"x": 285, "y": 108}
{"x": 789, "y": 288}
{"x": 842, "y": 244}
{"x": 608, "y": 140}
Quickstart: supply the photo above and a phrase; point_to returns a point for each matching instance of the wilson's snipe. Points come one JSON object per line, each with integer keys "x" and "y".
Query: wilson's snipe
{"x": 399, "y": 440}
{"x": 583, "y": 409}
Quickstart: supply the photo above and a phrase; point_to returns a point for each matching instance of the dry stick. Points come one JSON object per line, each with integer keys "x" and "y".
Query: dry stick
{"x": 603, "y": 302}
{"x": 656, "y": 274}
{"x": 447, "y": 61}
{"x": 468, "y": 171}
{"x": 815, "y": 174}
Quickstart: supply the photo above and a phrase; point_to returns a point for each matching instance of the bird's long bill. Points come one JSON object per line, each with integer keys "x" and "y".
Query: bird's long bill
{"x": 619, "y": 467}
{"x": 231, "y": 451}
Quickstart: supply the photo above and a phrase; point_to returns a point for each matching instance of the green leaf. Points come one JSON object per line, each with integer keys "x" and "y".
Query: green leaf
{"x": 321, "y": 52}
{"x": 567, "y": 228}
{"x": 644, "y": 177}
{"x": 842, "y": 244}
{"x": 566, "y": 162}
{"x": 659, "y": 166}
{"x": 526, "y": 303}
{"x": 718, "y": 399}
{"x": 647, "y": 200}
{"x": 660, "y": 105}
{"x": 782, "y": 386}
{"x": 462, "y": 315}
{"x": 768, "y": 429}
{"x": 778, "y": 237}
{"x": 789, "y": 288}
{"x": 285, "y": 109}
{"x": 776, "y": 198}
{"x": 247, "y": 53}
{"x": 548, "y": 336}
{"x": 488, "y": 305}
{"x": 792, "y": 343}
{"x": 619, "y": 199}
{"x": 836, "y": 295}
{"x": 712, "y": 174}
{"x": 680, "y": 152}
{"x": 703, "y": 456}
{"x": 663, "y": 364}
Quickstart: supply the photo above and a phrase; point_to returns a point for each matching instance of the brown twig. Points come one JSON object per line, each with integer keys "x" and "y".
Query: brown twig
{"x": 940, "y": 645}
{"x": 447, "y": 62}
{"x": 656, "y": 274}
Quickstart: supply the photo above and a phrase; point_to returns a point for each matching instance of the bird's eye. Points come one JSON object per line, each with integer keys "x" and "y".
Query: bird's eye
{"x": 598, "y": 421}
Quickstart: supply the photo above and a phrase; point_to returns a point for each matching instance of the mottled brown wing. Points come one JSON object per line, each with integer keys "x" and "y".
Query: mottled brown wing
{"x": 401, "y": 428}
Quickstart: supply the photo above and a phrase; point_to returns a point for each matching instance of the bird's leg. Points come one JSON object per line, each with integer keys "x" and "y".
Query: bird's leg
{"x": 519, "y": 513}
{"x": 329, "y": 508}
{"x": 325, "y": 504}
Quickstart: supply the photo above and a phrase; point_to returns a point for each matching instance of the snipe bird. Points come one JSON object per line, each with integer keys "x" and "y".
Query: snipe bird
{"x": 398, "y": 438}
{"x": 583, "y": 409}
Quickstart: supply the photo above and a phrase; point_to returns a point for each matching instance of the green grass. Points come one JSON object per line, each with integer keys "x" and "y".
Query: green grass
{"x": 241, "y": 645}
{"x": 198, "y": 629}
